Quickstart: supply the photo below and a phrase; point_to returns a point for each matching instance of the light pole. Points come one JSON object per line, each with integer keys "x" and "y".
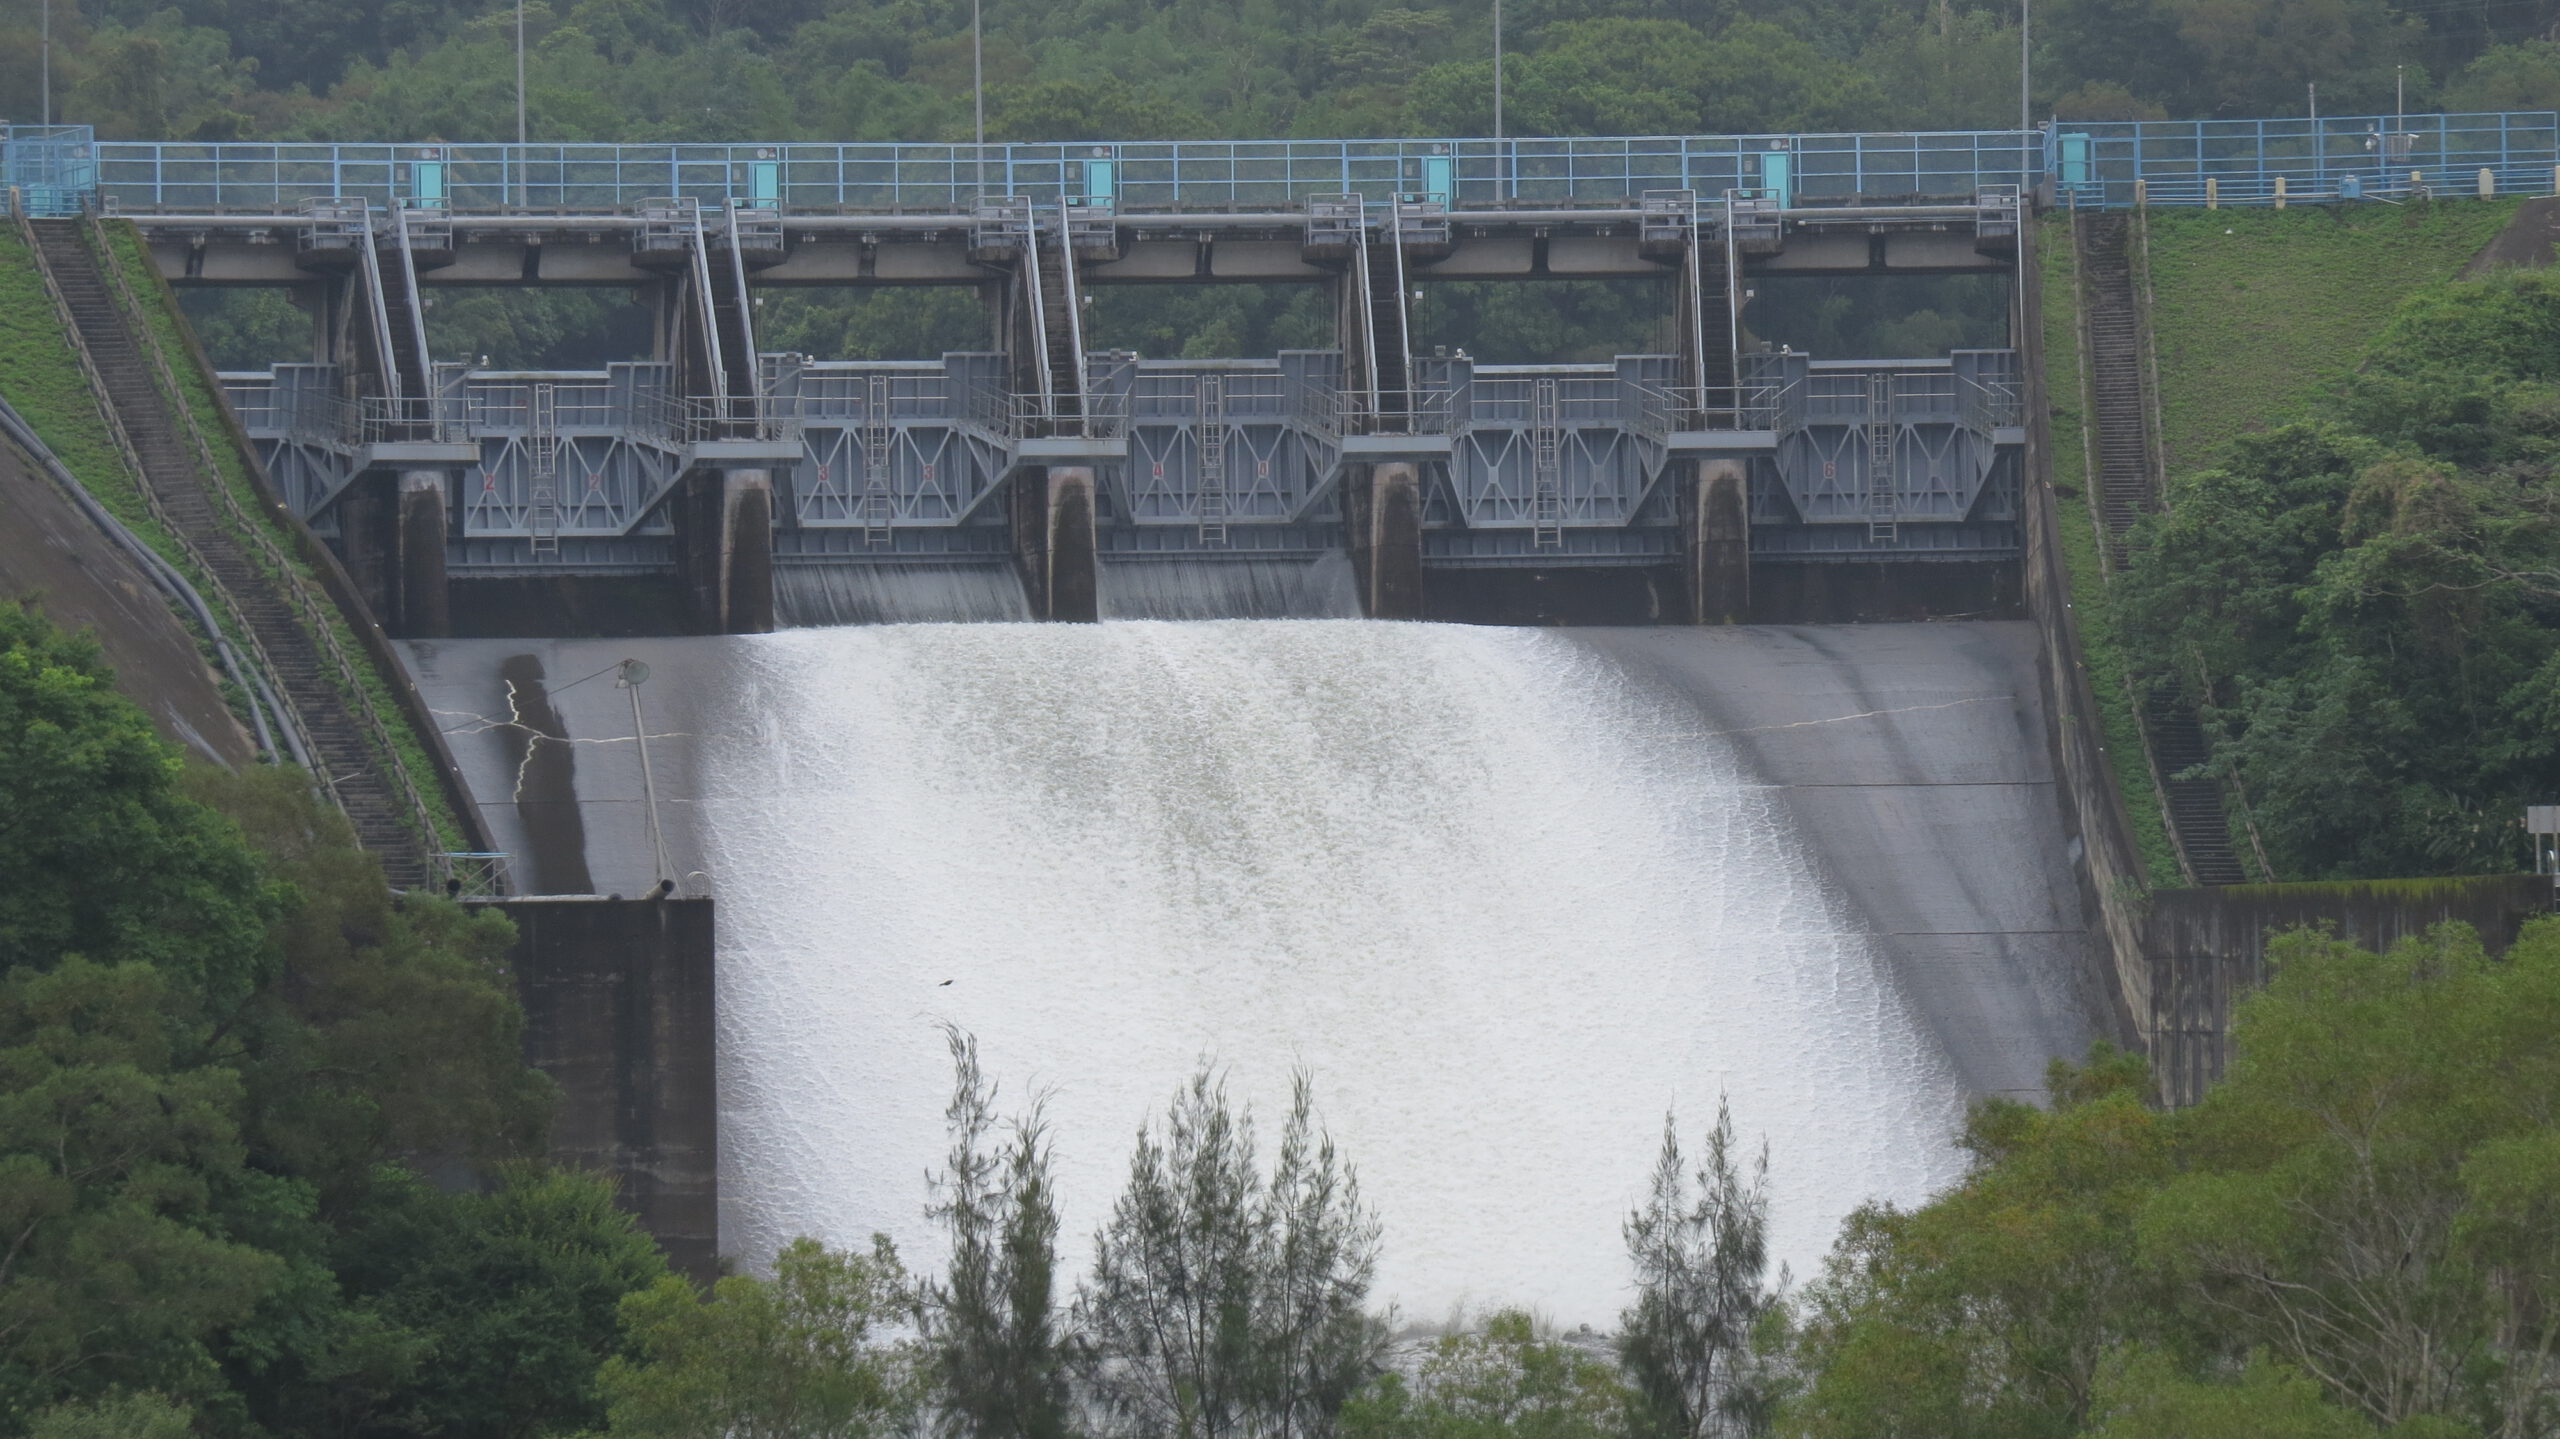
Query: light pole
{"x": 2026, "y": 114}
{"x": 524, "y": 190}
{"x": 1497, "y": 69}
{"x": 978, "y": 89}
{"x": 44, "y": 83}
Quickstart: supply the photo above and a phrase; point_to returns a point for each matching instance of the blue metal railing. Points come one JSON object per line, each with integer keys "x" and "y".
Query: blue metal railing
{"x": 2345, "y": 157}
{"x": 50, "y": 169}
{"x": 1216, "y": 175}
{"x": 2334, "y": 158}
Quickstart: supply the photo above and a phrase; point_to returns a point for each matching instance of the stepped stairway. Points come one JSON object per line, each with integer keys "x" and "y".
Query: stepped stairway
{"x": 1391, "y": 349}
{"x": 2119, "y": 420}
{"x": 2111, "y": 319}
{"x": 2195, "y": 808}
{"x": 735, "y": 325}
{"x": 1715, "y": 320}
{"x": 1061, "y": 332}
{"x": 368, "y": 793}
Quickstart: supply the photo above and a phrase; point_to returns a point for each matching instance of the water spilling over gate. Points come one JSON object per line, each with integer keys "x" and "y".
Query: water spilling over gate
{"x": 1506, "y": 910}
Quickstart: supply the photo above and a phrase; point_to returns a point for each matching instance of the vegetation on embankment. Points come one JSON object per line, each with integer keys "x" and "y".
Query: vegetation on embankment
{"x": 2101, "y": 649}
{"x": 40, "y": 375}
{"x": 230, "y": 1059}
{"x": 2257, "y": 313}
{"x": 2360, "y": 598}
{"x": 2372, "y": 730}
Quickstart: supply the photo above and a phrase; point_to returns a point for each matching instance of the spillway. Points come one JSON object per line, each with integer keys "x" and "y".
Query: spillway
{"x": 1508, "y": 894}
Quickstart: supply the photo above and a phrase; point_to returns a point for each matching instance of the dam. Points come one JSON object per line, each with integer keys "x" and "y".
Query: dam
{"x": 1518, "y": 748}
{"x": 1509, "y": 895}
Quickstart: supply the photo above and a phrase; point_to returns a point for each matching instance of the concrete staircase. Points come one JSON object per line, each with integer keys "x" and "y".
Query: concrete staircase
{"x": 2111, "y": 319}
{"x": 2124, "y": 491}
{"x": 372, "y": 798}
{"x": 2195, "y": 810}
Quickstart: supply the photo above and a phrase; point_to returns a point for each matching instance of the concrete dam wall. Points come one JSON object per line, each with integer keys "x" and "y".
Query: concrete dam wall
{"x": 1509, "y": 895}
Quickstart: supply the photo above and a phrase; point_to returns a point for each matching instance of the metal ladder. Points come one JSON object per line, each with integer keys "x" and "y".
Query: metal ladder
{"x": 1213, "y": 460}
{"x": 542, "y": 445}
{"x": 1884, "y": 492}
{"x": 1546, "y": 467}
{"x": 878, "y": 504}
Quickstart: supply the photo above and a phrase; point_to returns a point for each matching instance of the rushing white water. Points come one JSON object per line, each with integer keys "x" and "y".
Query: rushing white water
{"x": 1504, "y": 909}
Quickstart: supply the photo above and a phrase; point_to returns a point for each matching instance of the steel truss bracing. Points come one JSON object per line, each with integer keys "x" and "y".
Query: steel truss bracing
{"x": 889, "y": 450}
{"x": 891, "y": 461}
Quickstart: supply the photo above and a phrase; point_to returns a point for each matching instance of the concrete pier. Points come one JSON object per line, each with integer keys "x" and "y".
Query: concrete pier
{"x": 1385, "y": 503}
{"x": 619, "y": 1010}
{"x": 1718, "y": 541}
{"x": 424, "y": 611}
{"x": 1053, "y": 542}
{"x": 724, "y": 550}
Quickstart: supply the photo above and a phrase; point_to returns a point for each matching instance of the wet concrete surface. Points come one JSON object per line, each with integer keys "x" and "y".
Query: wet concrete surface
{"x": 54, "y": 557}
{"x": 1914, "y": 760}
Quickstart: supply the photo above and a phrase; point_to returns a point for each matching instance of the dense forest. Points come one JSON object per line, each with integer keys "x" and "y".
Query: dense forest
{"x": 637, "y": 70}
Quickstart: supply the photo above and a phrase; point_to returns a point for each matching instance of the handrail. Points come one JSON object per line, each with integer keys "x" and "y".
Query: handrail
{"x": 746, "y": 321}
{"x": 1039, "y": 339}
{"x": 370, "y": 258}
{"x": 710, "y": 315}
{"x": 1075, "y": 318}
{"x": 296, "y": 742}
{"x": 315, "y": 613}
{"x": 1366, "y": 303}
{"x": 423, "y": 356}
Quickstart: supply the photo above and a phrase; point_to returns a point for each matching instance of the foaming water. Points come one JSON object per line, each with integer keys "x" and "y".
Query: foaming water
{"x": 898, "y": 594}
{"x": 1505, "y": 909}
{"x": 1288, "y": 589}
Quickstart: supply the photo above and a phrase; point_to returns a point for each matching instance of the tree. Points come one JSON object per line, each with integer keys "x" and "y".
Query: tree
{"x": 1502, "y": 1383}
{"x": 100, "y": 853}
{"x": 2144, "y": 1395}
{"x": 1314, "y": 1340}
{"x": 796, "y": 1356}
{"x": 130, "y": 1416}
{"x": 1222, "y": 1305}
{"x": 117, "y": 1164}
{"x": 1701, "y": 1272}
{"x": 991, "y": 1325}
{"x": 1992, "y": 1309}
{"x": 511, "y": 1294}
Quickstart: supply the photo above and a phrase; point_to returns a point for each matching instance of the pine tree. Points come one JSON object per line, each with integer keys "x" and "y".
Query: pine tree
{"x": 991, "y": 1323}
{"x": 1317, "y": 1343}
{"x": 1222, "y": 1307}
{"x": 1701, "y": 1268}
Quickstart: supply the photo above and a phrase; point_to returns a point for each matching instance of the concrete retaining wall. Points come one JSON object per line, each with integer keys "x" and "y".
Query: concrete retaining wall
{"x": 2205, "y": 949}
{"x": 619, "y": 1011}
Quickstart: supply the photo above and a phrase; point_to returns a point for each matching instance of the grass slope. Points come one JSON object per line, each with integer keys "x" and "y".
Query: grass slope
{"x": 40, "y": 375}
{"x": 2256, "y": 312}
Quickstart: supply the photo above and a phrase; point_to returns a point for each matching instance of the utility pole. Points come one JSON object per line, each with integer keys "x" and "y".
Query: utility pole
{"x": 524, "y": 190}
{"x": 44, "y": 85}
{"x": 2026, "y": 115}
{"x": 1497, "y": 69}
{"x": 978, "y": 88}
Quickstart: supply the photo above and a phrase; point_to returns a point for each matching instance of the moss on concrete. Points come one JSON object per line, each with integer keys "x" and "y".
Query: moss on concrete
{"x": 2100, "y": 648}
